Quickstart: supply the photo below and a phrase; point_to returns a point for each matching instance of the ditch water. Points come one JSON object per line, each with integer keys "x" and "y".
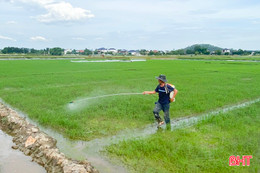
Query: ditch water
{"x": 92, "y": 150}
{"x": 12, "y": 161}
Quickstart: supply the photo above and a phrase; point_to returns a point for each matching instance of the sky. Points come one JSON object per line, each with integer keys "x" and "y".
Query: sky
{"x": 135, "y": 24}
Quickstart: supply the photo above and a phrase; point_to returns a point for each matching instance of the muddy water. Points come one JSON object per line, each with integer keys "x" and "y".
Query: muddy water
{"x": 91, "y": 150}
{"x": 12, "y": 161}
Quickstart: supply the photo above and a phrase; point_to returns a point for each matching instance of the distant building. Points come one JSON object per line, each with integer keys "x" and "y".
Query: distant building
{"x": 112, "y": 50}
{"x": 226, "y": 51}
{"x": 123, "y": 51}
{"x": 80, "y": 51}
{"x": 102, "y": 50}
{"x": 134, "y": 52}
{"x": 66, "y": 51}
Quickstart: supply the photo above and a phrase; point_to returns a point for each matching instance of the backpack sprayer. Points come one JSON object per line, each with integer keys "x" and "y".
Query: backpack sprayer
{"x": 168, "y": 92}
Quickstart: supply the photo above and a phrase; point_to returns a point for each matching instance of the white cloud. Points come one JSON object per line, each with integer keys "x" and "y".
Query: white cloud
{"x": 58, "y": 11}
{"x": 6, "y": 38}
{"x": 38, "y": 38}
{"x": 64, "y": 11}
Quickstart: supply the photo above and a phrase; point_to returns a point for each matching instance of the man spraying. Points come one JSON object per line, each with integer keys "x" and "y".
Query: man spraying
{"x": 167, "y": 93}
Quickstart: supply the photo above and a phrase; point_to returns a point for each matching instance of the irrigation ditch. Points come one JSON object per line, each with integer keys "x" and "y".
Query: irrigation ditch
{"x": 29, "y": 139}
{"x": 10, "y": 157}
{"x": 46, "y": 146}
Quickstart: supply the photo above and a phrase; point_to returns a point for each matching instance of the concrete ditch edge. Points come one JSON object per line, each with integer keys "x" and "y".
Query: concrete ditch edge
{"x": 42, "y": 148}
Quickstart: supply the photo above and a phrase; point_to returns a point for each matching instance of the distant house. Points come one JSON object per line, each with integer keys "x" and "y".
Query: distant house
{"x": 112, "y": 50}
{"x": 102, "y": 50}
{"x": 66, "y": 51}
{"x": 226, "y": 51}
{"x": 80, "y": 51}
{"x": 134, "y": 52}
{"x": 123, "y": 51}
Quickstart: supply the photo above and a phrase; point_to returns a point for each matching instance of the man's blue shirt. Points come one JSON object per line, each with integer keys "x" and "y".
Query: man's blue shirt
{"x": 163, "y": 97}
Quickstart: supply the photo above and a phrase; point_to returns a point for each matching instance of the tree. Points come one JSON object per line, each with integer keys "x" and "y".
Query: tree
{"x": 240, "y": 52}
{"x": 8, "y": 50}
{"x": 96, "y": 52}
{"x": 180, "y": 52}
{"x": 189, "y": 51}
{"x": 226, "y": 53}
{"x": 56, "y": 51}
{"x": 87, "y": 52}
{"x": 207, "y": 52}
{"x": 218, "y": 52}
{"x": 143, "y": 52}
{"x": 151, "y": 53}
{"x": 74, "y": 51}
{"x": 34, "y": 51}
{"x": 177, "y": 52}
{"x": 201, "y": 50}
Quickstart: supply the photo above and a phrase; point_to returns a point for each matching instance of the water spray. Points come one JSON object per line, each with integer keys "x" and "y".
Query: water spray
{"x": 109, "y": 95}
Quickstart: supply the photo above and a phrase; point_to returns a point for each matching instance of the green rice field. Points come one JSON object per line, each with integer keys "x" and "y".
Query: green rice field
{"x": 43, "y": 89}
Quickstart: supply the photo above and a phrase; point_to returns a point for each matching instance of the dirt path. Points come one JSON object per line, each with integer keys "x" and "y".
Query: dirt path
{"x": 92, "y": 149}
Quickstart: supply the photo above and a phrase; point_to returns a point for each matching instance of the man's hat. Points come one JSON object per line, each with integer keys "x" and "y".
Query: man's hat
{"x": 162, "y": 78}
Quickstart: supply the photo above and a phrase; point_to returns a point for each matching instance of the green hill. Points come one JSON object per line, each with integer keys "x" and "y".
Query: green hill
{"x": 209, "y": 47}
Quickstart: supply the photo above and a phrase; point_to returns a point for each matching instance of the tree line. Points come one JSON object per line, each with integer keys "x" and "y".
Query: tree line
{"x": 47, "y": 51}
{"x": 57, "y": 51}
